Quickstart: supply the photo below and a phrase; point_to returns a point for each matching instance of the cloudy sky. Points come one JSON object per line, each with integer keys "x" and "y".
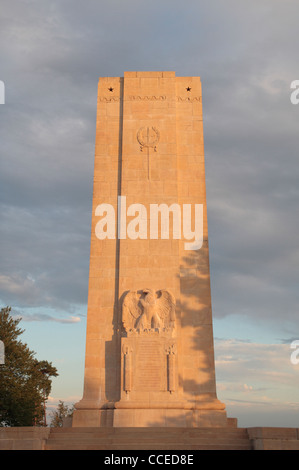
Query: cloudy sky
{"x": 246, "y": 53}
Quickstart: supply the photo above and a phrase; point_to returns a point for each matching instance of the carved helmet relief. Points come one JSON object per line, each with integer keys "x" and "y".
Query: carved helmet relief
{"x": 148, "y": 137}
{"x": 147, "y": 310}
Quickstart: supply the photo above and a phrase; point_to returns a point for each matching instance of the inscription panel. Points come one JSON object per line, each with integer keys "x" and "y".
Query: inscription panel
{"x": 149, "y": 366}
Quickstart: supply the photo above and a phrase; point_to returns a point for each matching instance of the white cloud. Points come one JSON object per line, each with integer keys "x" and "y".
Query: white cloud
{"x": 256, "y": 373}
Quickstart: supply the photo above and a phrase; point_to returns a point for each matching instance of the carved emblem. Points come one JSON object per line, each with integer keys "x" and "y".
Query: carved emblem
{"x": 109, "y": 99}
{"x": 188, "y": 98}
{"x": 171, "y": 349}
{"x": 148, "y": 137}
{"x": 146, "y": 310}
{"x": 147, "y": 98}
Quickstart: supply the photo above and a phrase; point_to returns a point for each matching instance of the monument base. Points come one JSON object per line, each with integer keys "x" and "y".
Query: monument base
{"x": 169, "y": 418}
{"x": 150, "y": 417}
{"x": 149, "y": 438}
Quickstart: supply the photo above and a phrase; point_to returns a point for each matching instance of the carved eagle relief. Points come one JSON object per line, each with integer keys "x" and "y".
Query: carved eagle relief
{"x": 146, "y": 309}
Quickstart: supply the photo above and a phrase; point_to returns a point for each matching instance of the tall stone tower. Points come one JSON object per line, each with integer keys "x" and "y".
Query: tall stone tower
{"x": 149, "y": 343}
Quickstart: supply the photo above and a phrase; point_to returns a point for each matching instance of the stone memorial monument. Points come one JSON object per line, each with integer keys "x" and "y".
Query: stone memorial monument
{"x": 149, "y": 342}
{"x": 149, "y": 361}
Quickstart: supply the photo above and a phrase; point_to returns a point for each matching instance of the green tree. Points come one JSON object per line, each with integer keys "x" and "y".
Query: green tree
{"x": 25, "y": 382}
{"x": 63, "y": 411}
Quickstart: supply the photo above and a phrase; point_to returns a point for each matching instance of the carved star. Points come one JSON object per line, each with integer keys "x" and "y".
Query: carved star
{"x": 188, "y": 88}
{"x": 111, "y": 89}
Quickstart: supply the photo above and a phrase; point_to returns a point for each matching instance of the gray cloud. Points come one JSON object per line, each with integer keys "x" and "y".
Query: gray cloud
{"x": 51, "y": 57}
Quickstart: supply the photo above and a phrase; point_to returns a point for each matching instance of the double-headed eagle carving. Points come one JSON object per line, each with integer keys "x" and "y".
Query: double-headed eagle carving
{"x": 146, "y": 309}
